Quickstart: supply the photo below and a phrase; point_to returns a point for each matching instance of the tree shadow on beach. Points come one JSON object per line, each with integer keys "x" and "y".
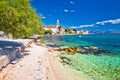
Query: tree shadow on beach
{"x": 12, "y": 51}
{"x": 25, "y": 53}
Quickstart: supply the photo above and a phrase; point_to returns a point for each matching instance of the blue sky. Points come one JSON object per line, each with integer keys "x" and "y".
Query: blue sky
{"x": 80, "y": 14}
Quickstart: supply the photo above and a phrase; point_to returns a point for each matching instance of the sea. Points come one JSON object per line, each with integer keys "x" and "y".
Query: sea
{"x": 96, "y": 67}
{"x": 104, "y": 41}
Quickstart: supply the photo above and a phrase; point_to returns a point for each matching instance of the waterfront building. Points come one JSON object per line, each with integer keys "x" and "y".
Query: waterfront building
{"x": 55, "y": 29}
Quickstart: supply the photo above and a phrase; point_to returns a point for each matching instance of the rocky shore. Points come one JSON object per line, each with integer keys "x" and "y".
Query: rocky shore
{"x": 50, "y": 62}
{"x": 39, "y": 62}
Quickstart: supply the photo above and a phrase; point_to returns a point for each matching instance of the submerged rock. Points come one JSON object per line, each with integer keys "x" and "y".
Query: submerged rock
{"x": 54, "y": 45}
{"x": 96, "y": 51}
{"x": 93, "y": 48}
{"x": 71, "y": 50}
{"x": 86, "y": 50}
{"x": 65, "y": 60}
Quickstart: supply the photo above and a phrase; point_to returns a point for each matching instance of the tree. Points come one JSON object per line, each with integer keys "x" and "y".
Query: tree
{"x": 75, "y": 31}
{"x": 18, "y": 18}
{"x": 59, "y": 29}
{"x": 48, "y": 32}
{"x": 68, "y": 30}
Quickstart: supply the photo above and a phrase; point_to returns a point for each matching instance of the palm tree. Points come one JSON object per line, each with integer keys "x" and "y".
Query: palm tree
{"x": 59, "y": 29}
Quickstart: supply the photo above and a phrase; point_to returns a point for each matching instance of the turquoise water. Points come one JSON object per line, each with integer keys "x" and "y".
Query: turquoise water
{"x": 102, "y": 67}
{"x": 104, "y": 41}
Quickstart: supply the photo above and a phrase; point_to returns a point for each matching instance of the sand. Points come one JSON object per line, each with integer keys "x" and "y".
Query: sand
{"x": 39, "y": 63}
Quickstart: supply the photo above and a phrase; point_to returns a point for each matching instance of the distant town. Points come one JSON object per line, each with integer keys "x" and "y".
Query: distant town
{"x": 59, "y": 30}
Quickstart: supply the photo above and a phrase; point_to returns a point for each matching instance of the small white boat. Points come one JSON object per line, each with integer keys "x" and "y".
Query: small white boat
{"x": 80, "y": 36}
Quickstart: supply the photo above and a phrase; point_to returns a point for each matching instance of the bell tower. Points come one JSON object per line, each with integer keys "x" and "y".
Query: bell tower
{"x": 57, "y": 23}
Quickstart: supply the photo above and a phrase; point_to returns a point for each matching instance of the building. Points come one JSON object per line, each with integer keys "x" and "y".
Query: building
{"x": 55, "y": 29}
{"x": 58, "y": 30}
{"x": 52, "y": 28}
{"x": 61, "y": 31}
{"x": 83, "y": 32}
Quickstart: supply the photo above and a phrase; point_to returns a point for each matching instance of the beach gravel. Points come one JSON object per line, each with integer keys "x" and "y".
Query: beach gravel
{"x": 38, "y": 63}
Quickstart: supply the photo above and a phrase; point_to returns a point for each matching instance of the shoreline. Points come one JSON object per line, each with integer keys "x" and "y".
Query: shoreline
{"x": 38, "y": 62}
{"x": 44, "y": 62}
{"x": 95, "y": 66}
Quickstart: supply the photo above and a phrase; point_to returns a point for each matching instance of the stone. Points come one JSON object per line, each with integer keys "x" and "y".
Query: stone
{"x": 65, "y": 60}
{"x": 70, "y": 50}
{"x": 14, "y": 62}
{"x": 93, "y": 48}
{"x": 80, "y": 50}
{"x": 53, "y": 45}
{"x": 86, "y": 48}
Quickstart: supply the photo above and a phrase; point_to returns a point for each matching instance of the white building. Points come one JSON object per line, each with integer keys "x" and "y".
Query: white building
{"x": 54, "y": 29}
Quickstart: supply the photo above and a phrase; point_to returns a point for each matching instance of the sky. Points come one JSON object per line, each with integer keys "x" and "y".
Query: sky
{"x": 80, "y": 14}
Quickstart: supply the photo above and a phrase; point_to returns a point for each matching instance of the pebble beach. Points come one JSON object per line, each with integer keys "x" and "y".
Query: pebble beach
{"x": 39, "y": 62}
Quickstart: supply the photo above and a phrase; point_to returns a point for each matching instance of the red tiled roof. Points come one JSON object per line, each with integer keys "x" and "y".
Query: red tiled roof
{"x": 50, "y": 26}
{"x": 85, "y": 30}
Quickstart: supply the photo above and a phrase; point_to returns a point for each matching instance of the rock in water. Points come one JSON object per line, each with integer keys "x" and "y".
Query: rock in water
{"x": 93, "y": 48}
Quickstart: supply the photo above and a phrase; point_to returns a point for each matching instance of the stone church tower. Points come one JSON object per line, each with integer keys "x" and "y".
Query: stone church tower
{"x": 57, "y": 23}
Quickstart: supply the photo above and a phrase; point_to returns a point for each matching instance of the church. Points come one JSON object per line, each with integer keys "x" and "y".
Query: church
{"x": 55, "y": 29}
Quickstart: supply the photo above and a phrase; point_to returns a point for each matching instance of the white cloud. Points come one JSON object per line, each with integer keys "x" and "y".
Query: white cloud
{"x": 72, "y": 10}
{"x": 101, "y": 23}
{"x": 72, "y": 2}
{"x": 42, "y": 16}
{"x": 85, "y": 26}
{"x": 115, "y": 21}
{"x": 66, "y": 10}
{"x": 74, "y": 27}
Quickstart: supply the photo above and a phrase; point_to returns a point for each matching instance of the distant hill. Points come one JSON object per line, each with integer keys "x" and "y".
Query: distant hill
{"x": 105, "y": 32}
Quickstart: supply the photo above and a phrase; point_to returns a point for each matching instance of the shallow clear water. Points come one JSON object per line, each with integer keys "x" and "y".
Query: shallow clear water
{"x": 102, "y": 67}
